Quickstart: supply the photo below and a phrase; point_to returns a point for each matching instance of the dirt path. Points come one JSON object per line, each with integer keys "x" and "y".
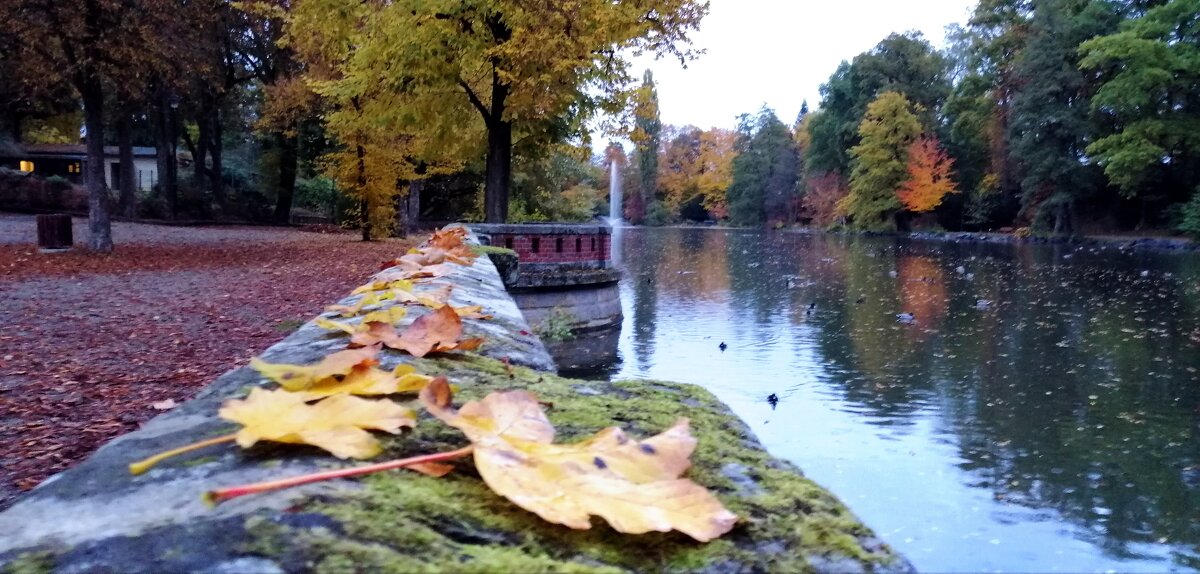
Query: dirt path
{"x": 89, "y": 343}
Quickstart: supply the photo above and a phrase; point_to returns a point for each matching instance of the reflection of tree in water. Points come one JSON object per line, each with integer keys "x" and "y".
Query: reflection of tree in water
{"x": 757, "y": 284}
{"x": 1075, "y": 390}
{"x": 1071, "y": 392}
{"x": 692, "y": 267}
{"x": 1047, "y": 416}
{"x": 922, "y": 288}
{"x": 876, "y": 363}
{"x": 647, "y": 249}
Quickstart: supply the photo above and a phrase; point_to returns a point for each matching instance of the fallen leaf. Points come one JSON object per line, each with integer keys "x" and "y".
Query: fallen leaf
{"x": 436, "y": 331}
{"x": 390, "y": 316}
{"x": 369, "y": 380}
{"x": 337, "y": 424}
{"x": 633, "y": 485}
{"x": 367, "y": 300}
{"x": 164, "y": 405}
{"x": 434, "y": 469}
{"x": 397, "y": 285}
{"x": 298, "y": 377}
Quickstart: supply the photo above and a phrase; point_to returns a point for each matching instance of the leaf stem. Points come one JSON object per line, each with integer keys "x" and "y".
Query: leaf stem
{"x": 144, "y": 465}
{"x": 214, "y": 497}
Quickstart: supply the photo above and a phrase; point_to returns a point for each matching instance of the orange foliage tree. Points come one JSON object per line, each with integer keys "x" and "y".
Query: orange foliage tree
{"x": 930, "y": 176}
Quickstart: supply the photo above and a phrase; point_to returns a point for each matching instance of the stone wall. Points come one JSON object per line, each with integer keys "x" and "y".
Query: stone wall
{"x": 96, "y": 517}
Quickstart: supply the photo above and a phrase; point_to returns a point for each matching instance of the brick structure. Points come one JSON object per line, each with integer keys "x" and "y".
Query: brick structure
{"x": 558, "y": 245}
{"x": 565, "y": 268}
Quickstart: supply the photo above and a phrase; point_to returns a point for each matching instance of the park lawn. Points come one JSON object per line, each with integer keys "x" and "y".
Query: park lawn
{"x": 90, "y": 343}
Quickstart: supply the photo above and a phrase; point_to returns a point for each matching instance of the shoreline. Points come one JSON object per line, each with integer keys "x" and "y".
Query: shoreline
{"x": 1140, "y": 242}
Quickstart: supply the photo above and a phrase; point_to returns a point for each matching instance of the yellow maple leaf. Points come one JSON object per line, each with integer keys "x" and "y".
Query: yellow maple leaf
{"x": 337, "y": 424}
{"x": 368, "y": 300}
{"x": 634, "y": 485}
{"x": 369, "y": 380}
{"x": 300, "y": 377}
{"x": 389, "y": 316}
{"x": 398, "y": 285}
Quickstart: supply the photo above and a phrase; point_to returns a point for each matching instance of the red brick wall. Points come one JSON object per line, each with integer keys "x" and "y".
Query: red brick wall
{"x": 548, "y": 251}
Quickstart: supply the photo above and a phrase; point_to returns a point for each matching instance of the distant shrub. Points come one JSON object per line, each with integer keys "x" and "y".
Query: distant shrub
{"x": 657, "y": 214}
{"x": 318, "y": 194}
{"x": 1189, "y": 216}
{"x": 58, "y": 183}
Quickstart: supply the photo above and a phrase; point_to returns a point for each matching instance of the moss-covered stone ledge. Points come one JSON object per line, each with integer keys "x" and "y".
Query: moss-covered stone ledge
{"x": 97, "y": 518}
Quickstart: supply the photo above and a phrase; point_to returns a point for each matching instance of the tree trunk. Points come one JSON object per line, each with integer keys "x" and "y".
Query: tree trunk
{"x": 499, "y": 171}
{"x": 287, "y": 178}
{"x": 127, "y": 185}
{"x": 1063, "y": 218}
{"x": 411, "y": 207}
{"x": 365, "y": 204}
{"x": 99, "y": 227}
{"x": 217, "y": 173}
{"x": 200, "y": 148}
{"x": 164, "y": 141}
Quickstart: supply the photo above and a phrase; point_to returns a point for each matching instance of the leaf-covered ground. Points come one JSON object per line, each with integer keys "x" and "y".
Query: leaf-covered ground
{"x": 90, "y": 343}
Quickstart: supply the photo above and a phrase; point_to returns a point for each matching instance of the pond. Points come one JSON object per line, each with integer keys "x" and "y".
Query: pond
{"x": 1041, "y": 411}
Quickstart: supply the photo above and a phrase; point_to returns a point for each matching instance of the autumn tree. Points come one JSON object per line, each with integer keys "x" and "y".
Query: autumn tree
{"x": 930, "y": 176}
{"x": 904, "y": 63}
{"x": 695, "y": 171}
{"x": 880, "y": 162}
{"x": 530, "y": 76}
{"x": 822, "y": 194}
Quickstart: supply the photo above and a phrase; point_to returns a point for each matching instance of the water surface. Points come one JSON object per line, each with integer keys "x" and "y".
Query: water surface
{"x": 1054, "y": 428}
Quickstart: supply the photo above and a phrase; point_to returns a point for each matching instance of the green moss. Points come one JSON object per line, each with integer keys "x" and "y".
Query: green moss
{"x": 405, "y": 522}
{"x": 490, "y": 249}
{"x": 289, "y": 325}
{"x": 31, "y": 563}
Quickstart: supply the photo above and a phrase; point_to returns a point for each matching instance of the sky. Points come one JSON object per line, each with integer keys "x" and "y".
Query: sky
{"x": 779, "y": 52}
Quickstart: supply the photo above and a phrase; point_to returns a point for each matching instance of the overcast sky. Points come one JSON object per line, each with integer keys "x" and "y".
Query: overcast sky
{"x": 780, "y": 51}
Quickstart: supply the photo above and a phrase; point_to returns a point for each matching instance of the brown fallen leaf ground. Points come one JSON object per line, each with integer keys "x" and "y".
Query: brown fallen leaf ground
{"x": 89, "y": 343}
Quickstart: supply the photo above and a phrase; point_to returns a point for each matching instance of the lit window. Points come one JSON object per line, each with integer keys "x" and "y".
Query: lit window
{"x": 73, "y": 167}
{"x": 26, "y": 165}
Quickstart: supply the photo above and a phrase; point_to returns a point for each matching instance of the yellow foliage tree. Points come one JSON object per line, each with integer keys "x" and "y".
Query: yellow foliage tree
{"x": 451, "y": 71}
{"x": 384, "y": 139}
{"x": 697, "y": 163}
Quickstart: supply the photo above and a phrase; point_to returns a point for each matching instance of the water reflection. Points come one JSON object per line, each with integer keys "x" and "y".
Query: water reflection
{"x": 1054, "y": 428}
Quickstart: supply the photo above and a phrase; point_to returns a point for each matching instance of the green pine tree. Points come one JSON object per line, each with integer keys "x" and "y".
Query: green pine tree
{"x": 764, "y": 171}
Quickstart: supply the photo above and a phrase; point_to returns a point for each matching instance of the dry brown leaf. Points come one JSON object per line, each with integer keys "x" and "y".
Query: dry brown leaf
{"x": 435, "y": 332}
